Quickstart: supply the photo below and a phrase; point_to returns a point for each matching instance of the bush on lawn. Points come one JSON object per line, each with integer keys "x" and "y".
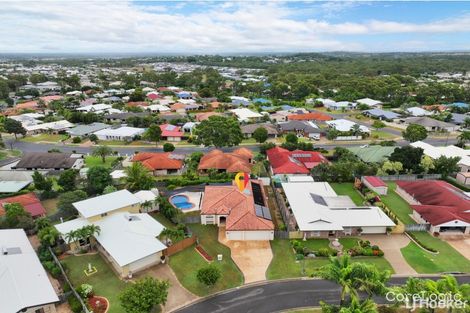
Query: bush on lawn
{"x": 364, "y": 248}
{"x": 76, "y": 140}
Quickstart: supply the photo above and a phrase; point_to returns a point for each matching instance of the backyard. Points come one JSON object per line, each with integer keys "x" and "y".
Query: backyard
{"x": 284, "y": 264}
{"x": 105, "y": 282}
{"x": 186, "y": 263}
{"x": 447, "y": 260}
{"x": 397, "y": 205}
{"x": 94, "y": 161}
{"x": 347, "y": 189}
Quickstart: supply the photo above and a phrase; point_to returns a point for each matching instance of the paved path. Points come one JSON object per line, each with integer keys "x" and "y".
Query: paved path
{"x": 177, "y": 295}
{"x": 391, "y": 246}
{"x": 460, "y": 244}
{"x": 251, "y": 256}
{"x": 278, "y": 296}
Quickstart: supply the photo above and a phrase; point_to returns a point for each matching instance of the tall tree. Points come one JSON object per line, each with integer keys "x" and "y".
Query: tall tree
{"x": 153, "y": 133}
{"x": 446, "y": 166}
{"x": 67, "y": 179}
{"x": 415, "y": 132}
{"x": 102, "y": 152}
{"x": 219, "y": 131}
{"x": 260, "y": 134}
{"x": 67, "y": 198}
{"x": 12, "y": 126}
{"x": 144, "y": 295}
{"x": 98, "y": 178}
{"x": 17, "y": 217}
{"x": 409, "y": 156}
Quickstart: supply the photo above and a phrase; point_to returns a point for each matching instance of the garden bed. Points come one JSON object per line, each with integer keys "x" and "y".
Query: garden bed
{"x": 203, "y": 253}
{"x": 98, "y": 304}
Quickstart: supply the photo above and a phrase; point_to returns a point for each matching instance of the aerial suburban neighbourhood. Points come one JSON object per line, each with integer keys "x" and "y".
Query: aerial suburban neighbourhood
{"x": 148, "y": 168}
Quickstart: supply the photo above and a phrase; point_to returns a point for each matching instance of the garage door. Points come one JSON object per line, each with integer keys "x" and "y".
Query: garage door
{"x": 250, "y": 235}
{"x": 374, "y": 230}
{"x": 144, "y": 263}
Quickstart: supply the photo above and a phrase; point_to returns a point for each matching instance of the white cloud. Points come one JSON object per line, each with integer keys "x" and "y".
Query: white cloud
{"x": 123, "y": 26}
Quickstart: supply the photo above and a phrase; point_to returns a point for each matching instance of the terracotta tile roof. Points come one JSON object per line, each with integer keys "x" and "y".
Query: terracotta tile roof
{"x": 169, "y": 130}
{"x": 153, "y": 96}
{"x": 48, "y": 99}
{"x": 315, "y": 116}
{"x": 239, "y": 206}
{"x": 27, "y": 105}
{"x": 29, "y": 201}
{"x": 204, "y": 116}
{"x": 157, "y": 161}
{"x": 232, "y": 162}
{"x": 440, "y": 202}
{"x": 177, "y": 106}
{"x": 284, "y": 161}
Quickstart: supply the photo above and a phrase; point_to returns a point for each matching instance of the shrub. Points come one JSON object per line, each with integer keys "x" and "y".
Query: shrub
{"x": 76, "y": 140}
{"x": 324, "y": 252}
{"x": 85, "y": 291}
{"x": 74, "y": 304}
{"x": 168, "y": 147}
{"x": 209, "y": 275}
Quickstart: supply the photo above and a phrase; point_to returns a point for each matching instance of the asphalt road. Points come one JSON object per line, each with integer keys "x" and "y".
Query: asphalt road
{"x": 41, "y": 147}
{"x": 278, "y": 296}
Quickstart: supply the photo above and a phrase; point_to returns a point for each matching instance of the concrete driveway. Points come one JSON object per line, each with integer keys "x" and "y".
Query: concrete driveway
{"x": 251, "y": 256}
{"x": 460, "y": 244}
{"x": 177, "y": 294}
{"x": 391, "y": 246}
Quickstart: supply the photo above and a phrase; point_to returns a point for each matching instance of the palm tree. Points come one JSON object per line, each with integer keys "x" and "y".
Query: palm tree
{"x": 91, "y": 231}
{"x": 356, "y": 130}
{"x": 48, "y": 236}
{"x": 71, "y": 236}
{"x": 463, "y": 138}
{"x": 173, "y": 234}
{"x": 354, "y": 277}
{"x": 147, "y": 205}
{"x": 366, "y": 306}
{"x": 138, "y": 177}
{"x": 103, "y": 152}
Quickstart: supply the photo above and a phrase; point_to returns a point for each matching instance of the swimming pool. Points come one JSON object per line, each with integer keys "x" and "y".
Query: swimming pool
{"x": 181, "y": 202}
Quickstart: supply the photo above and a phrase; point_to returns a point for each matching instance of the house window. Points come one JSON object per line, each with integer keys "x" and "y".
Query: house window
{"x": 84, "y": 242}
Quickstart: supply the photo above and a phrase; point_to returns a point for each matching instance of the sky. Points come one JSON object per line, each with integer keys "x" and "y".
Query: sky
{"x": 210, "y": 27}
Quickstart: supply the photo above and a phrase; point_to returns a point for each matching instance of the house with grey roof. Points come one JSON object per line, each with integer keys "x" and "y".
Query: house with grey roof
{"x": 32, "y": 161}
{"x": 301, "y": 128}
{"x": 381, "y": 114}
{"x": 86, "y": 130}
{"x": 249, "y": 129}
{"x": 431, "y": 124}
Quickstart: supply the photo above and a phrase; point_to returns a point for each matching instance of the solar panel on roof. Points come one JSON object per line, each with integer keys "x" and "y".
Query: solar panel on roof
{"x": 257, "y": 194}
{"x": 263, "y": 212}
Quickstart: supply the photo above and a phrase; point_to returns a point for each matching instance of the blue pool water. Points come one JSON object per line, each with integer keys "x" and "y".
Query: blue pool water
{"x": 181, "y": 202}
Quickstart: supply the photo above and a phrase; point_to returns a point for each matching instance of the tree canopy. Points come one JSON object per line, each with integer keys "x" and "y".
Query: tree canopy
{"x": 219, "y": 131}
{"x": 415, "y": 132}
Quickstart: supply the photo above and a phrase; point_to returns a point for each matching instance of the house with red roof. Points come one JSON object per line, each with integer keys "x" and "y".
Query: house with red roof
{"x": 445, "y": 208}
{"x": 375, "y": 184}
{"x": 240, "y": 160}
{"x": 29, "y": 201}
{"x": 244, "y": 214}
{"x": 313, "y": 116}
{"x": 160, "y": 163}
{"x": 284, "y": 161}
{"x": 171, "y": 132}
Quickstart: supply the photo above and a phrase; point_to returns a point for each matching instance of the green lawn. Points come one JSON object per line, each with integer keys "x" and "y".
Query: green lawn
{"x": 4, "y": 154}
{"x": 380, "y": 134}
{"x": 163, "y": 220}
{"x": 259, "y": 169}
{"x": 44, "y": 137}
{"x": 448, "y": 259}
{"x": 105, "y": 282}
{"x": 94, "y": 161}
{"x": 284, "y": 264}
{"x": 347, "y": 189}
{"x": 186, "y": 263}
{"x": 397, "y": 205}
